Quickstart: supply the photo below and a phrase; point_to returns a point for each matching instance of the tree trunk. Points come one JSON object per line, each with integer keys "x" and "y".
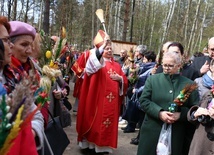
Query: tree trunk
{"x": 202, "y": 26}
{"x": 110, "y": 26}
{"x": 9, "y": 4}
{"x": 40, "y": 16}
{"x": 186, "y": 22}
{"x": 153, "y": 22}
{"x": 14, "y": 10}
{"x": 26, "y": 12}
{"x": 192, "y": 34}
{"x": 2, "y": 8}
{"x": 132, "y": 20}
{"x": 93, "y": 14}
{"x": 46, "y": 17}
{"x": 126, "y": 19}
{"x": 168, "y": 20}
{"x": 116, "y": 18}
{"x": 106, "y": 13}
{"x": 144, "y": 23}
{"x": 177, "y": 21}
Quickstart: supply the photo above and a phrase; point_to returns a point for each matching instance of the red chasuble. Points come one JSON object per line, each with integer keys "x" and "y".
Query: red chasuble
{"x": 78, "y": 68}
{"x": 99, "y": 106}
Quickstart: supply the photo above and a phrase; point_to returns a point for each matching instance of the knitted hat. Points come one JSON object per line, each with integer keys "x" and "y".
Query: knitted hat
{"x": 21, "y": 28}
{"x": 99, "y": 38}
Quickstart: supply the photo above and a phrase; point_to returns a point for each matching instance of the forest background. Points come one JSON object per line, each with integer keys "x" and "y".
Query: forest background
{"x": 147, "y": 22}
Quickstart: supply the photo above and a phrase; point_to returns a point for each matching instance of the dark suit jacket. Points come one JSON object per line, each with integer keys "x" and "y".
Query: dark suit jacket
{"x": 199, "y": 62}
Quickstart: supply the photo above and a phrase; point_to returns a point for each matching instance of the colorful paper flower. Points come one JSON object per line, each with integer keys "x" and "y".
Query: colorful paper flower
{"x": 182, "y": 97}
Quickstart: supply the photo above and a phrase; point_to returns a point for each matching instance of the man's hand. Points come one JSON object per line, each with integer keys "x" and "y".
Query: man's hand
{"x": 116, "y": 77}
{"x": 105, "y": 42}
{"x": 205, "y": 67}
{"x": 34, "y": 133}
{"x": 154, "y": 69}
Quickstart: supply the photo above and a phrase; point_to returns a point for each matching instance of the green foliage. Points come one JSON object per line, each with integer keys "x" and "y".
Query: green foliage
{"x": 81, "y": 23}
{"x": 46, "y": 44}
{"x": 4, "y": 121}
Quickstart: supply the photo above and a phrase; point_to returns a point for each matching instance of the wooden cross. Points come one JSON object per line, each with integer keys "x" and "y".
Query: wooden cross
{"x": 110, "y": 97}
{"x": 107, "y": 122}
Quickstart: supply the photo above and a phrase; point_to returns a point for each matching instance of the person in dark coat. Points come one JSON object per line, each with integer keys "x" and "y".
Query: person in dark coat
{"x": 158, "y": 67}
{"x": 159, "y": 92}
{"x": 123, "y": 57}
{"x": 186, "y": 70}
{"x": 139, "y": 53}
{"x": 143, "y": 73}
{"x": 201, "y": 64}
{"x": 205, "y": 82}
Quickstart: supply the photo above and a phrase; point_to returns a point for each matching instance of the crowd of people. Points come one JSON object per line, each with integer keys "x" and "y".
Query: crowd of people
{"x": 19, "y": 51}
{"x": 142, "y": 88}
{"x": 152, "y": 88}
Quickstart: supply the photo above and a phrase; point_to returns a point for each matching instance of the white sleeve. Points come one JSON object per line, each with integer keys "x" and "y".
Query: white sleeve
{"x": 38, "y": 126}
{"x": 93, "y": 64}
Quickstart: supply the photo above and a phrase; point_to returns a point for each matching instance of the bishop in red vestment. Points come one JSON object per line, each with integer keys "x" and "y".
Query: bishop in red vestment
{"x": 102, "y": 91}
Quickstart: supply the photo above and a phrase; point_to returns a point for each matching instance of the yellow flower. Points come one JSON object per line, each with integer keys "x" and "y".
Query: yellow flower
{"x": 51, "y": 63}
{"x": 63, "y": 32}
{"x": 48, "y": 54}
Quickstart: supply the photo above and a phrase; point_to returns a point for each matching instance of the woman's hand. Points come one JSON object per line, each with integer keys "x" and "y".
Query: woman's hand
{"x": 168, "y": 117}
{"x": 176, "y": 115}
{"x": 64, "y": 92}
{"x": 211, "y": 112}
{"x": 201, "y": 111}
{"x": 57, "y": 94}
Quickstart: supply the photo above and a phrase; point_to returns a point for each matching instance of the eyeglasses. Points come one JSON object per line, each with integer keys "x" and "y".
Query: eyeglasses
{"x": 212, "y": 49}
{"x": 6, "y": 40}
{"x": 168, "y": 65}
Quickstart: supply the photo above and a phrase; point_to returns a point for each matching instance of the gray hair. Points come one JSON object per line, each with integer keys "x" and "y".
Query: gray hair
{"x": 211, "y": 41}
{"x": 176, "y": 57}
{"x": 141, "y": 49}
